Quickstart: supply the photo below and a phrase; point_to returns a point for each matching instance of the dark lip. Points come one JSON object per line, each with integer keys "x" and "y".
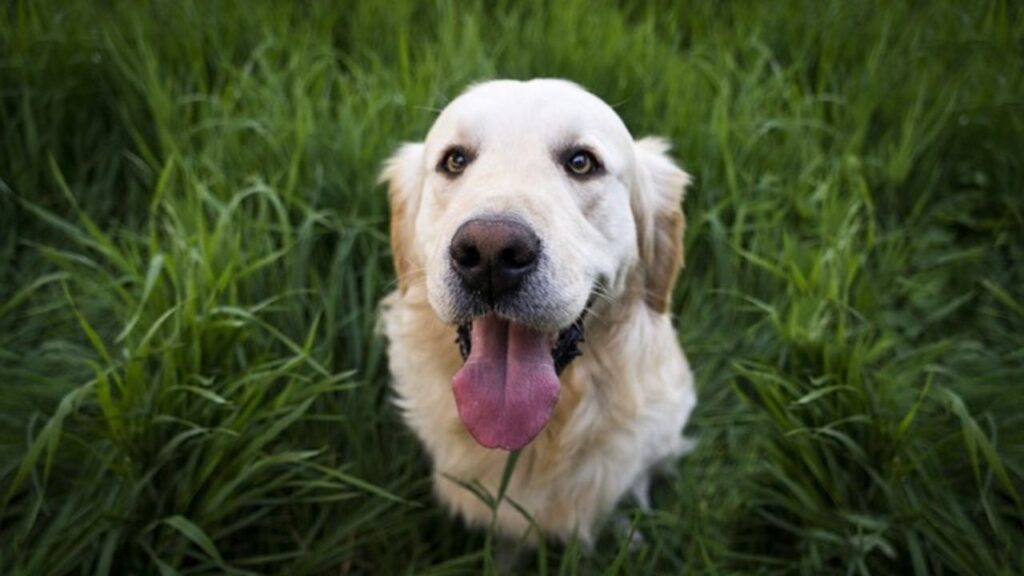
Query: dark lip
{"x": 563, "y": 352}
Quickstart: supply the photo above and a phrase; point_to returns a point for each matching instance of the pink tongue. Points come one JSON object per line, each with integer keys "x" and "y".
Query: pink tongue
{"x": 507, "y": 388}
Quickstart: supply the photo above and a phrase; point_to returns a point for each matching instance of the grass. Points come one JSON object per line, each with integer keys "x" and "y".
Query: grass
{"x": 192, "y": 247}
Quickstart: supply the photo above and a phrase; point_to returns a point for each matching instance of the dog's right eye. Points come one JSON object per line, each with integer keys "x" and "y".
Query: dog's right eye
{"x": 582, "y": 164}
{"x": 454, "y": 162}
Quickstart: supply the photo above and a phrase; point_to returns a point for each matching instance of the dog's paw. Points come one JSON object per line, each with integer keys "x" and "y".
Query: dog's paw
{"x": 685, "y": 446}
{"x": 641, "y": 492}
{"x": 625, "y": 529}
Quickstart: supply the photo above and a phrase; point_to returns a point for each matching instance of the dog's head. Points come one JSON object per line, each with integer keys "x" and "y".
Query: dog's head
{"x": 527, "y": 202}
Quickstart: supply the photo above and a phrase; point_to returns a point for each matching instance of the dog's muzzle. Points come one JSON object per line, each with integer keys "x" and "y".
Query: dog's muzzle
{"x": 508, "y": 385}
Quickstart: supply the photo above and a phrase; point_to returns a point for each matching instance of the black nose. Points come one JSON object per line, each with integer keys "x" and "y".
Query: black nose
{"x": 494, "y": 256}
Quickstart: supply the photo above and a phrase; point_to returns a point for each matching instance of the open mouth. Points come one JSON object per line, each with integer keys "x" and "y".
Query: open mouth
{"x": 507, "y": 387}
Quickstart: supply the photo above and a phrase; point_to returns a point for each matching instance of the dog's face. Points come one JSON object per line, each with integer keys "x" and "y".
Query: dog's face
{"x": 527, "y": 202}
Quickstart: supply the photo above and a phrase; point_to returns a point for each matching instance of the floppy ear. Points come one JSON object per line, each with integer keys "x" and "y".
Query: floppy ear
{"x": 657, "y": 208}
{"x": 403, "y": 173}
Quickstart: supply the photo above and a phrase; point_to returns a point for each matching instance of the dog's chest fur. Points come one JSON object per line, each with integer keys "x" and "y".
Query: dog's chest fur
{"x": 620, "y": 413}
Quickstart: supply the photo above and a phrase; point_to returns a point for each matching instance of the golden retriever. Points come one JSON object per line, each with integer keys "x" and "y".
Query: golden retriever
{"x": 536, "y": 246}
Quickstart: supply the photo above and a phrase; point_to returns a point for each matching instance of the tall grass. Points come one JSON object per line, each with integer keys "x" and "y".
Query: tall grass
{"x": 192, "y": 248}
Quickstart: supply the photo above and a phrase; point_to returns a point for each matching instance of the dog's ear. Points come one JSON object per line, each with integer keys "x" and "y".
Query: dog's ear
{"x": 403, "y": 174}
{"x": 657, "y": 207}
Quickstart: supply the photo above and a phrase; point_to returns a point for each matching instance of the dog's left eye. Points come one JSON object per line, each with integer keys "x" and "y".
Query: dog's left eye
{"x": 454, "y": 162}
{"x": 581, "y": 163}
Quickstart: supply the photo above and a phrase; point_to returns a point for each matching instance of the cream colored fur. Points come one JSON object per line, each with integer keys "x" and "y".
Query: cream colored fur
{"x": 623, "y": 404}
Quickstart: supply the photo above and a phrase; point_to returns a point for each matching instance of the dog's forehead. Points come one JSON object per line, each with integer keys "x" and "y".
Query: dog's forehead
{"x": 556, "y": 111}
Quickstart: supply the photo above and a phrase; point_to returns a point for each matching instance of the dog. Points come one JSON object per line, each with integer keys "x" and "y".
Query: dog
{"x": 536, "y": 246}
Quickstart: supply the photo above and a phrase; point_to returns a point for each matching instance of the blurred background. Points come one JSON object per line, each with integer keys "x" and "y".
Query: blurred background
{"x": 193, "y": 245}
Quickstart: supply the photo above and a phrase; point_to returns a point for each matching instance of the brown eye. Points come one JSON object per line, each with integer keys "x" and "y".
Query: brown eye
{"x": 454, "y": 162}
{"x": 581, "y": 163}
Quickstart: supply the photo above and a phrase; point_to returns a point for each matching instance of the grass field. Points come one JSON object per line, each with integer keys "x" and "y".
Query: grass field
{"x": 192, "y": 247}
